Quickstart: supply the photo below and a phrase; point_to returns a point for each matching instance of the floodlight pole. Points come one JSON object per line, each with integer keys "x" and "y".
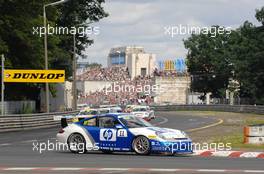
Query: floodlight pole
{"x": 2, "y": 87}
{"x": 46, "y": 49}
{"x": 74, "y": 88}
{"x": 46, "y": 59}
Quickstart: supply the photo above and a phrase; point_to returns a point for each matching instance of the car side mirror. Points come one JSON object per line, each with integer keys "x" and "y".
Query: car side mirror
{"x": 118, "y": 126}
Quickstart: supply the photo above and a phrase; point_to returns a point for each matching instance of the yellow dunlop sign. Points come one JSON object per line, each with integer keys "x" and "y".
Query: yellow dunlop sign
{"x": 34, "y": 76}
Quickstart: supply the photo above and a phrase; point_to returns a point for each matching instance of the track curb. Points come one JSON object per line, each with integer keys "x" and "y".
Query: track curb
{"x": 230, "y": 154}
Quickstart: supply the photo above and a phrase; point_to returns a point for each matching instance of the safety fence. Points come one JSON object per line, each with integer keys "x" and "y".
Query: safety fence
{"x": 224, "y": 108}
{"x": 20, "y": 122}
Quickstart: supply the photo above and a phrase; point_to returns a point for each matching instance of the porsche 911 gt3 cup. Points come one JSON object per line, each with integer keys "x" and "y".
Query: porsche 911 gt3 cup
{"x": 143, "y": 112}
{"x": 123, "y": 133}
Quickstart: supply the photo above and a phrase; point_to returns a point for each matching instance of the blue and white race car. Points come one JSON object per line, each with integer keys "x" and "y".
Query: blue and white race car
{"x": 122, "y": 132}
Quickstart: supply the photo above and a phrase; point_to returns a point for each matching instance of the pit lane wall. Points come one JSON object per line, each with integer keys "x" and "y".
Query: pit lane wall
{"x": 223, "y": 108}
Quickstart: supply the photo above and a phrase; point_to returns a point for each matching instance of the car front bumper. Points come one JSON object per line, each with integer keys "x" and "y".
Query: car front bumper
{"x": 175, "y": 147}
{"x": 61, "y": 138}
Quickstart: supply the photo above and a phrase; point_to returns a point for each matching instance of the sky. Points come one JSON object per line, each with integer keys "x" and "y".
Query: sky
{"x": 143, "y": 23}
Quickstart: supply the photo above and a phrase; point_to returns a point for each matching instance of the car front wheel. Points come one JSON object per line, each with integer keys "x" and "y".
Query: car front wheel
{"x": 141, "y": 145}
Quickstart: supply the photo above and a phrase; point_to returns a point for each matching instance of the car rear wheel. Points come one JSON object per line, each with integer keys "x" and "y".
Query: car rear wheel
{"x": 76, "y": 143}
{"x": 141, "y": 145}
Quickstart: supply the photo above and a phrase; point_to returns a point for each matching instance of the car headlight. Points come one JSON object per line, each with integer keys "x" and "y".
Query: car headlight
{"x": 160, "y": 135}
{"x": 172, "y": 137}
{"x": 184, "y": 134}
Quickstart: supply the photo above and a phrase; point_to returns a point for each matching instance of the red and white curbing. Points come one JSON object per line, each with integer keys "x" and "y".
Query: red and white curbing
{"x": 134, "y": 170}
{"x": 231, "y": 154}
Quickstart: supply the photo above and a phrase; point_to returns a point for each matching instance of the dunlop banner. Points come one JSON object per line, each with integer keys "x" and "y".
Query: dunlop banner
{"x": 34, "y": 76}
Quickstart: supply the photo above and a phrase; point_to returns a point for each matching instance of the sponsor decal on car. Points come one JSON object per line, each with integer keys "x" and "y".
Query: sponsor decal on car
{"x": 107, "y": 135}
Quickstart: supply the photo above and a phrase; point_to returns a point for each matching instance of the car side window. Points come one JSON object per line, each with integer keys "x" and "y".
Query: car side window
{"x": 94, "y": 112}
{"x": 107, "y": 122}
{"x": 90, "y": 122}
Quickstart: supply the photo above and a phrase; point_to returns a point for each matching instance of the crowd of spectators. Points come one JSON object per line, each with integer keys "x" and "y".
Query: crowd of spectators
{"x": 120, "y": 77}
{"x": 168, "y": 73}
{"x": 105, "y": 74}
{"x": 135, "y": 91}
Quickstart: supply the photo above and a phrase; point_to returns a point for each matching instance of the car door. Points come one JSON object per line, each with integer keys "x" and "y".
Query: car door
{"x": 92, "y": 129}
{"x": 110, "y": 137}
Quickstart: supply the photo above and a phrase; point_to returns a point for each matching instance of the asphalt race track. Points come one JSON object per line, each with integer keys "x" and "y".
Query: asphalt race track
{"x": 16, "y": 150}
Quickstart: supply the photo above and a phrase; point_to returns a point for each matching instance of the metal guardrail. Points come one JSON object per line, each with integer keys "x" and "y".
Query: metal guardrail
{"x": 20, "y": 122}
{"x": 224, "y": 108}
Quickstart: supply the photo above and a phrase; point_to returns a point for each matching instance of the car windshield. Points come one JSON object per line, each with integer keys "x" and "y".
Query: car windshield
{"x": 91, "y": 112}
{"x": 139, "y": 109}
{"x": 131, "y": 121}
{"x": 104, "y": 111}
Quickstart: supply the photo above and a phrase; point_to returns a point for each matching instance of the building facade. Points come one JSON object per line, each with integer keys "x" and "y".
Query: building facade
{"x": 138, "y": 62}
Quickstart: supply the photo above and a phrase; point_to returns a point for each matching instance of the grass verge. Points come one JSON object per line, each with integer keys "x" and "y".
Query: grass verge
{"x": 237, "y": 142}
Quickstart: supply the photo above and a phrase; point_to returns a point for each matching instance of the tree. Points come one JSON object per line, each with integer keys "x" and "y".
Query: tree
{"x": 208, "y": 62}
{"x": 25, "y": 50}
{"x": 238, "y": 56}
{"x": 248, "y": 56}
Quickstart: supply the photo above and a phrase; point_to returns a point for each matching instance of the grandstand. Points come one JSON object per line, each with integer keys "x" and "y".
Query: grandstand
{"x": 99, "y": 85}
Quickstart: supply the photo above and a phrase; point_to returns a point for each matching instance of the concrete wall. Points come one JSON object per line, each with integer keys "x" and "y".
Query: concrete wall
{"x": 85, "y": 87}
{"x": 61, "y": 101}
{"x": 175, "y": 89}
{"x": 16, "y": 107}
{"x": 193, "y": 98}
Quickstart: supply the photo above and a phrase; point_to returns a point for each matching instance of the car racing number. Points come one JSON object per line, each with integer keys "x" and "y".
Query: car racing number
{"x": 122, "y": 133}
{"x": 111, "y": 134}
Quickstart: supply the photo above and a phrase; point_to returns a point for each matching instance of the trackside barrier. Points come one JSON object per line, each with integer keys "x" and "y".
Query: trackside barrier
{"x": 254, "y": 134}
{"x": 20, "y": 122}
{"x": 224, "y": 108}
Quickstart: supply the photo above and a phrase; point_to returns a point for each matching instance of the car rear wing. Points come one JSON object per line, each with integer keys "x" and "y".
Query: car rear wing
{"x": 64, "y": 122}
{"x": 66, "y": 119}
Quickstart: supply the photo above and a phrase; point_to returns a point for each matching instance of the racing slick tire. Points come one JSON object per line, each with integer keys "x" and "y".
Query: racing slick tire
{"x": 141, "y": 145}
{"x": 77, "y": 143}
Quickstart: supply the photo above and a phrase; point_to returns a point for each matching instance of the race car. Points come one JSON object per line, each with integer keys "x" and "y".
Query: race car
{"x": 85, "y": 113}
{"x": 143, "y": 112}
{"x": 111, "y": 109}
{"x": 122, "y": 132}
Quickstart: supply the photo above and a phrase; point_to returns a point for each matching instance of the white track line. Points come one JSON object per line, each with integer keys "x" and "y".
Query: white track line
{"x": 210, "y": 170}
{"x": 163, "y": 170}
{"x": 135, "y": 170}
{"x": 66, "y": 169}
{"x": 21, "y": 168}
{"x": 5, "y": 144}
{"x": 115, "y": 169}
{"x": 254, "y": 171}
{"x": 165, "y": 120}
